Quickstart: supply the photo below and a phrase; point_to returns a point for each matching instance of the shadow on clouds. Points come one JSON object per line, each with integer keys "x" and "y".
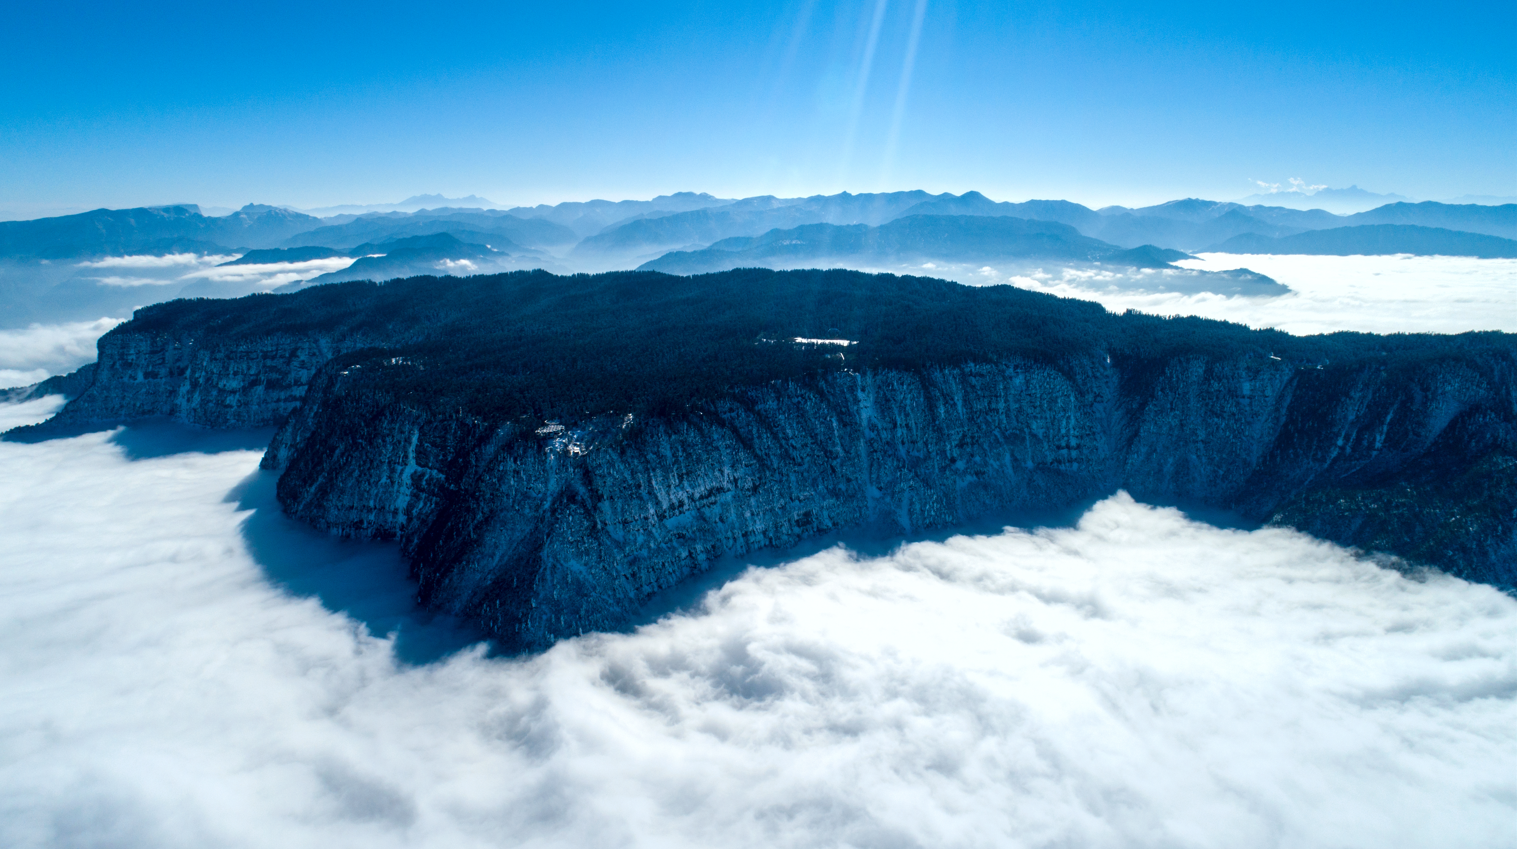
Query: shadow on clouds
{"x": 368, "y": 581}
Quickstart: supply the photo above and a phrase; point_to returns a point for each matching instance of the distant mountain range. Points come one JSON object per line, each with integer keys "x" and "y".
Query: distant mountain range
{"x": 156, "y": 230}
{"x": 915, "y": 238}
{"x": 1342, "y": 201}
{"x": 410, "y": 204}
{"x": 918, "y": 240}
{"x": 1373, "y": 239}
{"x": 586, "y": 218}
{"x": 479, "y": 226}
{"x": 696, "y": 231}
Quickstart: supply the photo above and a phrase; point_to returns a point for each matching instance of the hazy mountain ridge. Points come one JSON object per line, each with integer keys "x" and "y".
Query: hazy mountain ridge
{"x": 1374, "y": 239}
{"x": 933, "y": 243}
{"x": 434, "y": 253}
{"x": 1470, "y": 218}
{"x": 960, "y": 238}
{"x": 550, "y": 451}
{"x": 587, "y": 218}
{"x": 1341, "y": 201}
{"x": 106, "y": 232}
{"x": 642, "y": 237}
{"x": 604, "y": 234}
{"x": 528, "y": 232}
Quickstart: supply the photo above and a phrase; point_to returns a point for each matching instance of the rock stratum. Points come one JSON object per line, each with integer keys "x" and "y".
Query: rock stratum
{"x": 550, "y": 451}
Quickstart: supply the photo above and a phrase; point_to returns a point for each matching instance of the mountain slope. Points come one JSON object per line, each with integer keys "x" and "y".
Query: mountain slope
{"x": 641, "y": 238}
{"x": 1374, "y": 239}
{"x": 951, "y": 238}
{"x": 586, "y": 218}
{"x": 1080, "y": 217}
{"x": 474, "y": 226}
{"x": 1470, "y": 218}
{"x": 108, "y": 232}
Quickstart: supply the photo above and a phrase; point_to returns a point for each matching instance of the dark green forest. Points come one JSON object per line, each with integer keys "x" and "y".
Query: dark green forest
{"x": 533, "y": 344}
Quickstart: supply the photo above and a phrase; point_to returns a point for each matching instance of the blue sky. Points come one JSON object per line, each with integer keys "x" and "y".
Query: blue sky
{"x": 114, "y": 104}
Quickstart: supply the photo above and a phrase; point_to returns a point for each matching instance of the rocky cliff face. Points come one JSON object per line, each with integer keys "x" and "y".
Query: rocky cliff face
{"x": 548, "y": 531}
{"x": 199, "y": 380}
{"x": 414, "y": 413}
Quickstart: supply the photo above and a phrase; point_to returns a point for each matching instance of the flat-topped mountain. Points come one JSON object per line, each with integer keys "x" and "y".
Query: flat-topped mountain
{"x": 550, "y": 451}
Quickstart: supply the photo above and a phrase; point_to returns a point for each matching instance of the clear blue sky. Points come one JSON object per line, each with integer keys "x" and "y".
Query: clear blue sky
{"x": 121, "y": 104}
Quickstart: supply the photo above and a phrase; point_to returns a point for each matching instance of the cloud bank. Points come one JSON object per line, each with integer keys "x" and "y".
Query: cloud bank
{"x": 1373, "y": 294}
{"x": 33, "y": 353}
{"x": 1138, "y": 680}
{"x": 166, "y": 261}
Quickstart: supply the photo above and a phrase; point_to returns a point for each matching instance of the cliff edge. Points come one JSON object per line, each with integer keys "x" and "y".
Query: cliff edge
{"x": 550, "y": 451}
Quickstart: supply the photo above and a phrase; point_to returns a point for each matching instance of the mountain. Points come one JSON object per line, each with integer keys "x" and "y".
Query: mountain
{"x": 1374, "y": 239}
{"x": 1483, "y": 200}
{"x": 586, "y": 218}
{"x": 940, "y": 242}
{"x": 1131, "y": 229}
{"x": 114, "y": 232}
{"x": 473, "y": 226}
{"x": 437, "y": 253}
{"x": 410, "y": 204}
{"x": 1189, "y": 210}
{"x": 1341, "y": 201}
{"x": 623, "y": 234}
{"x": 918, "y": 238}
{"x": 260, "y": 226}
{"x": 1188, "y": 224}
{"x": 973, "y": 203}
{"x": 550, "y": 451}
{"x": 1471, "y": 218}
{"x": 431, "y": 201}
{"x": 645, "y": 237}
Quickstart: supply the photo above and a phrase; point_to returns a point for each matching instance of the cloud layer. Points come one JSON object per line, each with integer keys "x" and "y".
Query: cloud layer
{"x": 1373, "y": 294}
{"x": 1138, "y": 680}
{"x": 32, "y": 354}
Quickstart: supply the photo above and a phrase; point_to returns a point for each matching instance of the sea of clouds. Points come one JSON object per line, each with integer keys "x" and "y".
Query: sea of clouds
{"x": 1373, "y": 294}
{"x": 182, "y": 268}
{"x": 1139, "y": 679}
{"x": 184, "y": 666}
{"x": 34, "y": 353}
{"x": 37, "y": 339}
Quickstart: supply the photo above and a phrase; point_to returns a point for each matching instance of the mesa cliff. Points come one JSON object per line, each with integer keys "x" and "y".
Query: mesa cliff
{"x": 549, "y": 463}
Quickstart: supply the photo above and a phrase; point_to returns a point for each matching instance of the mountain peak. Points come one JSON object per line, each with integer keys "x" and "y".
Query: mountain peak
{"x": 439, "y": 200}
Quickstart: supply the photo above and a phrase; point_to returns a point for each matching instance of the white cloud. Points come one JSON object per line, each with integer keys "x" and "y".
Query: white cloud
{"x": 1373, "y": 294}
{"x": 1297, "y": 186}
{"x": 51, "y": 348}
{"x": 272, "y": 273}
{"x": 1139, "y": 680}
{"x": 10, "y": 377}
{"x": 166, "y": 261}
